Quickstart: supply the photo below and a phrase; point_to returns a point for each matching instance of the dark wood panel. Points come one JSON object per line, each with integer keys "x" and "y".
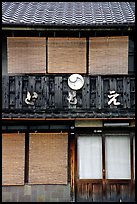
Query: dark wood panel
{"x": 45, "y": 92}
{"x": 53, "y": 91}
{"x": 113, "y": 87}
{"x": 98, "y": 93}
{"x": 126, "y": 92}
{"x": 18, "y": 92}
{"x": 86, "y": 94}
{"x": 58, "y": 92}
{"x": 92, "y": 191}
{"x": 5, "y": 92}
{"x": 118, "y": 192}
{"x": 89, "y": 191}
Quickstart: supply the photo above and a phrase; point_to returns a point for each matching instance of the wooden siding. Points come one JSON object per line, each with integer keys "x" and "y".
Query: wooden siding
{"x": 115, "y": 191}
{"x": 53, "y": 90}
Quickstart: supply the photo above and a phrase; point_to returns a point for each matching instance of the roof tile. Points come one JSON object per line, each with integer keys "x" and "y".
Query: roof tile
{"x": 68, "y": 13}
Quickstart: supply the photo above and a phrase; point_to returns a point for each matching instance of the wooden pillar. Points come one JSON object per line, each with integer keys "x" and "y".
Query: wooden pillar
{"x": 72, "y": 167}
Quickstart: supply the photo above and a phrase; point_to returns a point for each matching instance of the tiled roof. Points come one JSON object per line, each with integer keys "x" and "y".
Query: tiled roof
{"x": 68, "y": 13}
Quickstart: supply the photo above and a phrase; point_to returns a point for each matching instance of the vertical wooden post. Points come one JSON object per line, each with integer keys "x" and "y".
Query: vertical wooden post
{"x": 132, "y": 164}
{"x": 103, "y": 167}
{"x": 72, "y": 167}
{"x": 26, "y": 175}
{"x": 99, "y": 93}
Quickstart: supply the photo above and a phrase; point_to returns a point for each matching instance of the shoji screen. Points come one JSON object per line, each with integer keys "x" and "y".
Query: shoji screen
{"x": 117, "y": 157}
{"x": 26, "y": 54}
{"x": 13, "y": 155}
{"x": 48, "y": 158}
{"x": 66, "y": 55}
{"x": 90, "y": 157}
{"x": 108, "y": 55}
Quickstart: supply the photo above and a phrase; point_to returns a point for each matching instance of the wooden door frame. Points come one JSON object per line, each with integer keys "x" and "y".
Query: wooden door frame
{"x": 105, "y": 182}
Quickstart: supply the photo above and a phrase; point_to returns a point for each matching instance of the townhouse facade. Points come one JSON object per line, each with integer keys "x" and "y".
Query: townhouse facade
{"x": 68, "y": 102}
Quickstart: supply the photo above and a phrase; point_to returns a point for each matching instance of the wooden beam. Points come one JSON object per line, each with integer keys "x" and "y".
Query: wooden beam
{"x": 76, "y": 119}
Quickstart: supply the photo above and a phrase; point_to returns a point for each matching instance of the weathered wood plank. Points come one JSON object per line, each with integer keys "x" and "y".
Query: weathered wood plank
{"x": 132, "y": 93}
{"x": 93, "y": 96}
{"x": 98, "y": 92}
{"x": 51, "y": 92}
{"x": 113, "y": 192}
{"x": 97, "y": 192}
{"x": 106, "y": 88}
{"x": 120, "y": 91}
{"x": 89, "y": 190}
{"x": 45, "y": 92}
{"x": 86, "y": 93}
{"x": 113, "y": 87}
{"x": 18, "y": 92}
{"x": 126, "y": 92}
{"x": 124, "y": 193}
{"x": 32, "y": 89}
{"x": 12, "y": 92}
{"x": 5, "y": 92}
{"x": 58, "y": 92}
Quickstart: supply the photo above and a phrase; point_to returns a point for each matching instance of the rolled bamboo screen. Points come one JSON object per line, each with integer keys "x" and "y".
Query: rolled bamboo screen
{"x": 48, "y": 158}
{"x": 66, "y": 55}
{"x": 13, "y": 156}
{"x": 26, "y": 54}
{"x": 108, "y": 55}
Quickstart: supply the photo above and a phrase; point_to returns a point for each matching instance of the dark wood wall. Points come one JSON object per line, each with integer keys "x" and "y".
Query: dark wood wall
{"x": 53, "y": 91}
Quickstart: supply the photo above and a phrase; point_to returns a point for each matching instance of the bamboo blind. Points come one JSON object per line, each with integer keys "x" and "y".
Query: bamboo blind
{"x": 108, "y": 55}
{"x": 48, "y": 158}
{"x": 26, "y": 54}
{"x": 13, "y": 155}
{"x": 66, "y": 55}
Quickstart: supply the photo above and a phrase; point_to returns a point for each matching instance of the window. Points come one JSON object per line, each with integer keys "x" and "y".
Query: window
{"x": 48, "y": 158}
{"x": 102, "y": 55}
{"x": 35, "y": 158}
{"x": 108, "y": 55}
{"x": 26, "y": 54}
{"x": 66, "y": 55}
{"x": 118, "y": 157}
{"x": 110, "y": 154}
{"x": 13, "y": 157}
{"x": 90, "y": 157}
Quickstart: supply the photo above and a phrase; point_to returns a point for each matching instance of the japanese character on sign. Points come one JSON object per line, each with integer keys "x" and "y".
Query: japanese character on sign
{"x": 30, "y": 99}
{"x": 113, "y": 95}
{"x": 72, "y": 98}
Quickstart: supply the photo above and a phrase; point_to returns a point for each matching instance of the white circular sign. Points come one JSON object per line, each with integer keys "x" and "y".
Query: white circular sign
{"x": 75, "y": 81}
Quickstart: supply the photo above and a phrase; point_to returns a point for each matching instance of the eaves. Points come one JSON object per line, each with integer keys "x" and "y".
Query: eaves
{"x": 116, "y": 27}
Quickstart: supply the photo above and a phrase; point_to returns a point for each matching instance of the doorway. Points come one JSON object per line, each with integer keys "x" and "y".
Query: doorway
{"x": 105, "y": 166}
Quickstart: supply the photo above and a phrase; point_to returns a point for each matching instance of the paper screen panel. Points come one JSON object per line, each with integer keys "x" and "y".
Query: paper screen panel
{"x": 66, "y": 55}
{"x": 13, "y": 155}
{"x": 26, "y": 54}
{"x": 118, "y": 157}
{"x": 89, "y": 157}
{"x": 48, "y": 158}
{"x": 108, "y": 55}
